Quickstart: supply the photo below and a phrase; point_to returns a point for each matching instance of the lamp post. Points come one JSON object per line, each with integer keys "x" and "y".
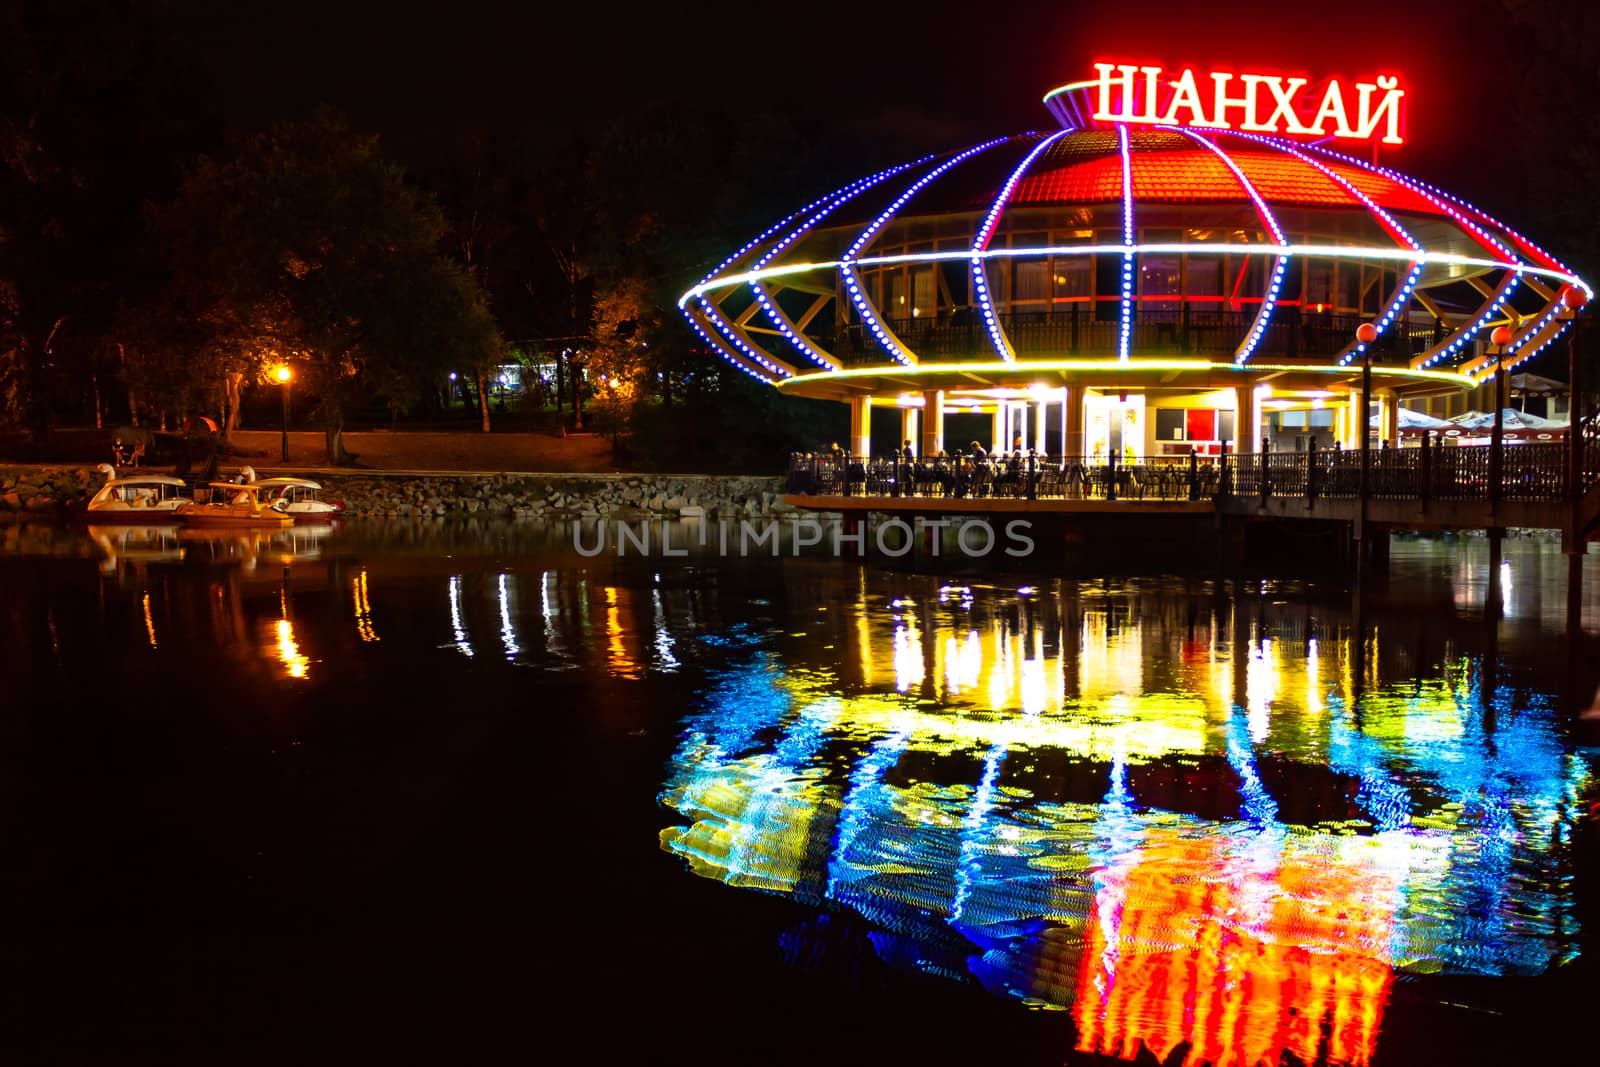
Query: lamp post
{"x": 1574, "y": 539}
{"x": 1366, "y": 335}
{"x": 283, "y": 380}
{"x": 1501, "y": 337}
{"x": 1574, "y": 299}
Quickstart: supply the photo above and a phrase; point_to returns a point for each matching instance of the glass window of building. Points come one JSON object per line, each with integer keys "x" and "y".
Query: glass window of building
{"x": 896, "y": 308}
{"x": 922, "y": 301}
{"x": 1318, "y": 298}
{"x": 1033, "y": 285}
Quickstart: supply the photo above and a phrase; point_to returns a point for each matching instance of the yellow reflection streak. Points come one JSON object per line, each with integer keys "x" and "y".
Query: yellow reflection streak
{"x": 621, "y": 663}
{"x": 288, "y": 651}
{"x": 908, "y": 663}
{"x": 963, "y": 663}
{"x": 149, "y": 622}
{"x": 1109, "y": 664}
{"x": 1034, "y": 692}
{"x": 1313, "y": 677}
{"x": 1261, "y": 687}
{"x": 363, "y": 608}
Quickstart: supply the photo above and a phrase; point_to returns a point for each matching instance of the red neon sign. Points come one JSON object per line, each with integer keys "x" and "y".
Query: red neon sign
{"x": 1255, "y": 103}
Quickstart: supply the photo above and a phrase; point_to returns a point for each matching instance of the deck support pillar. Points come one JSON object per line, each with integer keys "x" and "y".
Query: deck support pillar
{"x": 908, "y": 429}
{"x": 932, "y": 423}
{"x": 1072, "y": 444}
{"x": 1391, "y": 420}
{"x": 861, "y": 426}
{"x": 1244, "y": 419}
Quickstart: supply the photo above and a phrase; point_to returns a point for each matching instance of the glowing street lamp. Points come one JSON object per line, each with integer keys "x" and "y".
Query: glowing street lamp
{"x": 284, "y": 375}
{"x": 1501, "y": 338}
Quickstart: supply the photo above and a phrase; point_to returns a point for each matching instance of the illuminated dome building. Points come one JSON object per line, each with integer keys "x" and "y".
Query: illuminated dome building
{"x": 1140, "y": 286}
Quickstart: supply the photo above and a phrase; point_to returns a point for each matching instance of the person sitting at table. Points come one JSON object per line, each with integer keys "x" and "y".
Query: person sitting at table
{"x": 1011, "y": 476}
{"x": 942, "y": 475}
{"x": 855, "y": 468}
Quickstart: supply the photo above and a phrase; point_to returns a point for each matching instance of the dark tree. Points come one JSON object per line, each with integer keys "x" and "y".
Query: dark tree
{"x": 309, "y": 238}
{"x": 95, "y": 118}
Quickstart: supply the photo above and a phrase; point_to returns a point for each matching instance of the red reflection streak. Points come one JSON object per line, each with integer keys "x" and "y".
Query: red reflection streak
{"x": 1242, "y": 965}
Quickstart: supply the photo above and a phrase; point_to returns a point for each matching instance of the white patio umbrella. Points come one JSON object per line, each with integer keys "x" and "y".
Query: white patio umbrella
{"x": 1420, "y": 420}
{"x": 1536, "y": 385}
{"x": 1512, "y": 419}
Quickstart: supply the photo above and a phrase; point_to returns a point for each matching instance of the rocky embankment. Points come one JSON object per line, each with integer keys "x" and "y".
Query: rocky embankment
{"x": 562, "y": 495}
{"x": 47, "y": 488}
{"x": 61, "y": 489}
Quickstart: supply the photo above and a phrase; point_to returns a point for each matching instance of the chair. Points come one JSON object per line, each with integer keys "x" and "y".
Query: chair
{"x": 982, "y": 482}
{"x": 1050, "y": 480}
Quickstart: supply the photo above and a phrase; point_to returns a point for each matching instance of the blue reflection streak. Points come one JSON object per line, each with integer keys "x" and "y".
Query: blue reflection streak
{"x": 971, "y": 830}
{"x": 1115, "y": 849}
{"x": 860, "y": 805}
{"x": 1258, "y": 807}
{"x": 666, "y": 661}
{"x": 766, "y": 816}
{"x": 1386, "y": 802}
{"x": 742, "y": 703}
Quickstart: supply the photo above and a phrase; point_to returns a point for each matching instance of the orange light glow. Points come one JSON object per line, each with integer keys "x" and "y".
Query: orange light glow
{"x": 363, "y": 608}
{"x": 289, "y": 652}
{"x": 621, "y": 663}
{"x": 149, "y": 622}
{"x": 283, "y": 374}
{"x": 1174, "y": 929}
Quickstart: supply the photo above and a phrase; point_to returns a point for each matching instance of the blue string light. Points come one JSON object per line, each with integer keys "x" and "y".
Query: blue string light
{"x": 1402, "y": 295}
{"x": 980, "y": 242}
{"x": 852, "y": 281}
{"x": 1258, "y": 328}
{"x": 775, "y": 314}
{"x": 1458, "y": 341}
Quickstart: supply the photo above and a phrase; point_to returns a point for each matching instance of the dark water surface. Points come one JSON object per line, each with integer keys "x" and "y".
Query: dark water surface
{"x": 401, "y": 793}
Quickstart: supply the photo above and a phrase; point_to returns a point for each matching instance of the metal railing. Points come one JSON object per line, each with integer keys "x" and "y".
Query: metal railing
{"x": 1032, "y": 476}
{"x": 1529, "y": 473}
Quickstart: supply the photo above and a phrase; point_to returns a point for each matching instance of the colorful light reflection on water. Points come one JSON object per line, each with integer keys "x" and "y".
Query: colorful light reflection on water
{"x": 1212, "y": 829}
{"x": 1205, "y": 820}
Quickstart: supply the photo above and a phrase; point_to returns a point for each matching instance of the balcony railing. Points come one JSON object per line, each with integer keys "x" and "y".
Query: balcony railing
{"x": 1189, "y": 330}
{"x": 1529, "y": 472}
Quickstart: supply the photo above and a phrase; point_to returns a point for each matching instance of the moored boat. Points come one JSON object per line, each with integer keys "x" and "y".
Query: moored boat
{"x": 127, "y": 542}
{"x": 299, "y": 497}
{"x": 140, "y": 498}
{"x": 229, "y": 504}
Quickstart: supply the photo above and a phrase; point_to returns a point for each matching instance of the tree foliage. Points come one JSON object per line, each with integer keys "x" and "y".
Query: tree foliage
{"x": 96, "y": 116}
{"x": 309, "y": 242}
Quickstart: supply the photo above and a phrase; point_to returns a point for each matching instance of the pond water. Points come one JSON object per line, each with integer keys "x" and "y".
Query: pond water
{"x": 448, "y": 792}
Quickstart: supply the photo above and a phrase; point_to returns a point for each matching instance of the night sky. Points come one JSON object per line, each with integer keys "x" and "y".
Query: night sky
{"x": 943, "y": 74}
